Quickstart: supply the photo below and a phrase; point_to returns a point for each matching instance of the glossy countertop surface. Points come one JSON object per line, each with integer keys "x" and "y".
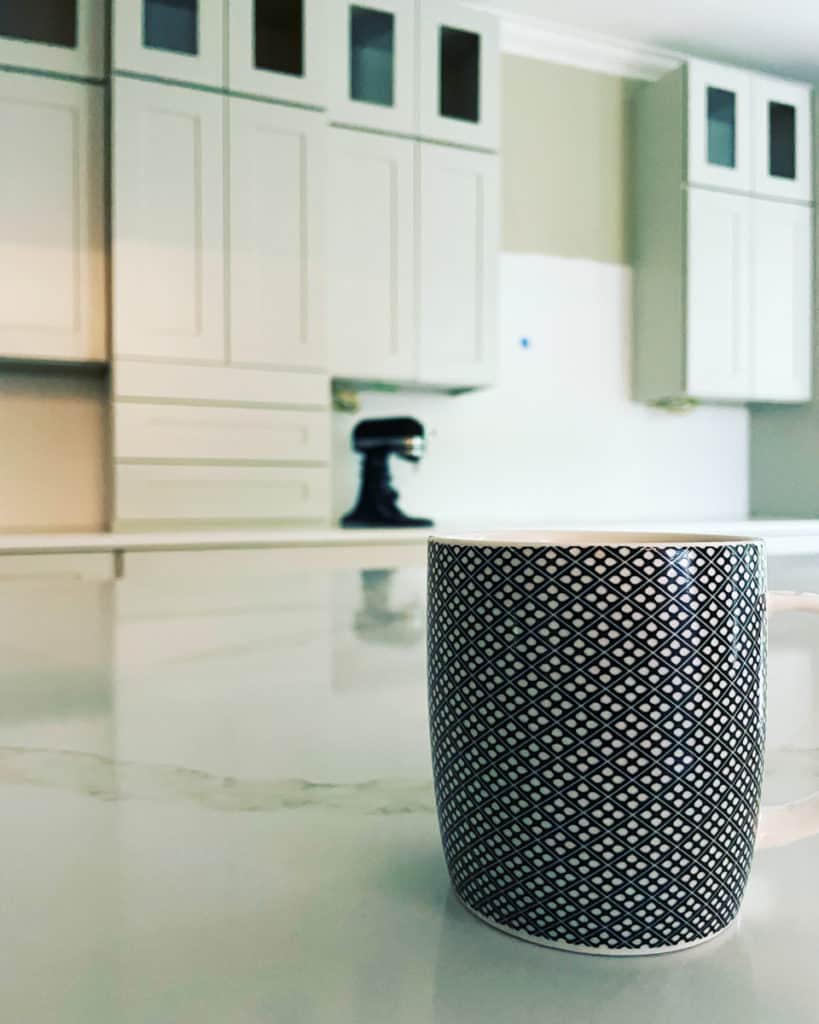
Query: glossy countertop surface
{"x": 216, "y": 806}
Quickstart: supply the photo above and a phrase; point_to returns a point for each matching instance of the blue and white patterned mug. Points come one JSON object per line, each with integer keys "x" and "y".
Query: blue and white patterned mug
{"x": 597, "y": 719}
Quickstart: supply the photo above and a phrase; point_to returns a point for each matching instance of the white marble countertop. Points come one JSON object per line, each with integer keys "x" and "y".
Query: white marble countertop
{"x": 217, "y": 807}
{"x": 783, "y": 536}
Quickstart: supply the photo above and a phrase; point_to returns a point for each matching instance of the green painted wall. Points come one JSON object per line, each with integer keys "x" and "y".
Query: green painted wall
{"x": 565, "y": 160}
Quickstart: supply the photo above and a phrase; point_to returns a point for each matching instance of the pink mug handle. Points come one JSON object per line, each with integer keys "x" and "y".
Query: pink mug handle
{"x": 782, "y": 824}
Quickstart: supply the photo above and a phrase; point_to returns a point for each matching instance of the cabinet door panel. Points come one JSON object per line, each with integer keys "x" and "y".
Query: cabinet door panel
{"x": 63, "y": 36}
{"x": 277, "y": 49}
{"x": 371, "y": 233}
{"x": 459, "y": 75}
{"x": 176, "y": 39}
{"x": 458, "y": 257}
{"x": 719, "y": 295}
{"x": 372, "y": 64}
{"x": 782, "y": 301}
{"x": 52, "y": 241}
{"x": 277, "y": 158}
{"x": 782, "y": 139}
{"x": 168, "y": 234}
{"x": 719, "y": 126}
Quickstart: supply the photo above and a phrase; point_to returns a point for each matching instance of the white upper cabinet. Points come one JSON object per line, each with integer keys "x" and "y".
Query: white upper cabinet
{"x": 719, "y": 362}
{"x": 63, "y": 36}
{"x": 175, "y": 39}
{"x": 168, "y": 222}
{"x": 372, "y": 64}
{"x": 781, "y": 307}
{"x": 52, "y": 241}
{"x": 277, "y": 49}
{"x": 782, "y": 139}
{"x": 370, "y": 261}
{"x": 276, "y": 201}
{"x": 458, "y": 266}
{"x": 720, "y": 152}
{"x": 458, "y": 75}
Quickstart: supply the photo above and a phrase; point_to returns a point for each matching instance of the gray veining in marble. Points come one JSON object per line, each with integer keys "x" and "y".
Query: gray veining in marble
{"x": 217, "y": 807}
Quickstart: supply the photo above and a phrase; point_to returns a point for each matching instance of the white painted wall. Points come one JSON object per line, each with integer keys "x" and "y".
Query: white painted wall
{"x": 559, "y": 439}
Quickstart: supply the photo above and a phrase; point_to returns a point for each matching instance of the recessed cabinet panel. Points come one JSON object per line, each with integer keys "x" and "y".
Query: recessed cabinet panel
{"x": 782, "y": 307}
{"x": 168, "y": 234}
{"x": 719, "y": 126}
{"x": 372, "y": 68}
{"x": 181, "y": 40}
{"x": 370, "y": 238}
{"x": 719, "y": 295}
{"x": 458, "y": 75}
{"x": 277, "y": 158}
{"x": 277, "y": 49}
{"x": 63, "y": 36}
{"x": 782, "y": 136}
{"x": 52, "y": 240}
{"x": 458, "y": 247}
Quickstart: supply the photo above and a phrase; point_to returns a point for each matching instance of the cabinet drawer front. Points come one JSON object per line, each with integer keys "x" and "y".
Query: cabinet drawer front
{"x": 187, "y": 382}
{"x": 213, "y": 494}
{"x": 52, "y": 272}
{"x": 371, "y": 249}
{"x": 277, "y": 50}
{"x": 61, "y": 45}
{"x": 180, "y": 42}
{"x": 168, "y": 222}
{"x": 277, "y": 158}
{"x": 148, "y": 431}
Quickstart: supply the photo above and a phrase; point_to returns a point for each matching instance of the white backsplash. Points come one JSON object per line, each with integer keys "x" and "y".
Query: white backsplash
{"x": 559, "y": 439}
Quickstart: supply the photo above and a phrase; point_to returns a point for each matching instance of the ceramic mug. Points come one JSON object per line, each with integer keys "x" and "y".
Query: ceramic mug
{"x": 597, "y": 720}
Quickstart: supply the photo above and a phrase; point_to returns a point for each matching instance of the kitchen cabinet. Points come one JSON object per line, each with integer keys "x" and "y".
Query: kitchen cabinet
{"x": 719, "y": 126}
{"x": 782, "y": 139}
{"x": 66, "y": 37}
{"x": 372, "y": 64}
{"x": 458, "y": 225}
{"x": 52, "y": 242}
{"x": 276, "y": 253}
{"x": 371, "y": 256}
{"x": 782, "y": 301}
{"x": 723, "y": 293}
{"x": 168, "y": 222}
{"x": 458, "y": 75}
{"x": 182, "y": 40}
{"x": 718, "y": 363}
{"x": 277, "y": 50}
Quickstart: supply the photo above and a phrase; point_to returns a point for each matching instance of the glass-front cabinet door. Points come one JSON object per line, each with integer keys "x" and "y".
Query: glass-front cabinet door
{"x": 458, "y": 66}
{"x": 782, "y": 139}
{"x": 277, "y": 49}
{"x": 182, "y": 40}
{"x": 66, "y": 37}
{"x": 719, "y": 126}
{"x": 372, "y": 64}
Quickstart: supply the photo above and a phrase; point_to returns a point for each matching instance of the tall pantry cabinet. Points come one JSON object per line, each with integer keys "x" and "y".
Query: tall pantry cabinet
{"x": 220, "y": 380}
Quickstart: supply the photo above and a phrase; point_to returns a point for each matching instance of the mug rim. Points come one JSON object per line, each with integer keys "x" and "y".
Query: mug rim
{"x": 588, "y": 539}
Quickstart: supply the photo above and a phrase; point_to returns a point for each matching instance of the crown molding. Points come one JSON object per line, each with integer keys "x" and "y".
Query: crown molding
{"x": 559, "y": 44}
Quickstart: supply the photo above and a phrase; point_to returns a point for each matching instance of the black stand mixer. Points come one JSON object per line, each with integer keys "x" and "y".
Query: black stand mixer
{"x": 375, "y": 441}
